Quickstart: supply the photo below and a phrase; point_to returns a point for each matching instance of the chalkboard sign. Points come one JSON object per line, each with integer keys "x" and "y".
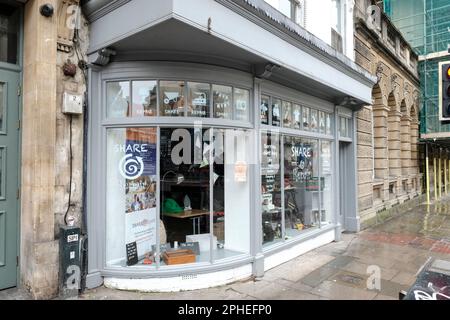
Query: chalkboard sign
{"x": 194, "y": 246}
{"x": 132, "y": 255}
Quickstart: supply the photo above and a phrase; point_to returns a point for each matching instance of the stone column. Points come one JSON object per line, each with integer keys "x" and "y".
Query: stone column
{"x": 380, "y": 114}
{"x": 394, "y": 144}
{"x": 365, "y": 158}
{"x": 406, "y": 147}
{"x": 39, "y": 250}
{"x": 414, "y": 134}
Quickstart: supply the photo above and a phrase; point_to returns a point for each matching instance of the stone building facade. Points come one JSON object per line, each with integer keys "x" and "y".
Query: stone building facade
{"x": 387, "y": 130}
{"x": 52, "y": 142}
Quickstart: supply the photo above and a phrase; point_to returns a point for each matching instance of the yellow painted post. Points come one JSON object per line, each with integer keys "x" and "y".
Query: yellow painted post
{"x": 435, "y": 178}
{"x": 445, "y": 175}
{"x": 440, "y": 175}
{"x": 427, "y": 170}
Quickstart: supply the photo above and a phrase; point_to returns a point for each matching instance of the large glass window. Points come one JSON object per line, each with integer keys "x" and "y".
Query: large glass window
{"x": 131, "y": 216}
{"x": 301, "y": 184}
{"x": 296, "y": 188}
{"x": 9, "y": 33}
{"x": 204, "y": 196}
{"x": 271, "y": 188}
{"x": 326, "y": 181}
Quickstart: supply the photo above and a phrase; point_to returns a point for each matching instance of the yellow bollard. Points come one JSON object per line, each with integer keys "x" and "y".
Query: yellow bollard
{"x": 445, "y": 175}
{"x": 427, "y": 170}
{"x": 435, "y": 178}
{"x": 440, "y": 176}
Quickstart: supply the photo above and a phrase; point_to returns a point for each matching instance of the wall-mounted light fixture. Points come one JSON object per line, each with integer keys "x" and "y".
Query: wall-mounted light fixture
{"x": 47, "y": 10}
{"x": 102, "y": 56}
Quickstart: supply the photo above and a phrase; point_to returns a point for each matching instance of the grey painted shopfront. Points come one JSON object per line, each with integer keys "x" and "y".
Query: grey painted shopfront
{"x": 242, "y": 142}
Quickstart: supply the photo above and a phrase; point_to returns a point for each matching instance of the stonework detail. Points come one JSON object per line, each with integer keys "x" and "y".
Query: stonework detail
{"x": 387, "y": 130}
{"x": 46, "y": 143}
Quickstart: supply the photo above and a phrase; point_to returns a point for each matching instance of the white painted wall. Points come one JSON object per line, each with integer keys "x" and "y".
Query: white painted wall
{"x": 318, "y": 20}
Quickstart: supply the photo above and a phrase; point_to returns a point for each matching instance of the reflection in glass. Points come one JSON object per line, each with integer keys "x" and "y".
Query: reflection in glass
{"x": 198, "y": 103}
{"x": 271, "y": 188}
{"x": 9, "y": 33}
{"x": 297, "y": 117}
{"x": 276, "y": 112}
{"x": 144, "y": 98}
{"x": 301, "y": 185}
{"x": 264, "y": 109}
{"x": 231, "y": 220}
{"x": 171, "y": 98}
{"x": 326, "y": 180}
{"x": 222, "y": 97}
{"x": 131, "y": 216}
{"x": 241, "y": 104}
{"x": 287, "y": 114}
{"x": 118, "y": 99}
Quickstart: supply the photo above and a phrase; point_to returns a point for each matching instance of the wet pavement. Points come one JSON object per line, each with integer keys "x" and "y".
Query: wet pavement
{"x": 394, "y": 250}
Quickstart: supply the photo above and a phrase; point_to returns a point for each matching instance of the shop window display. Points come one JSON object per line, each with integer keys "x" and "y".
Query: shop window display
{"x": 287, "y": 114}
{"x": 264, "y": 109}
{"x": 297, "y": 117}
{"x": 186, "y": 181}
{"x": 306, "y": 118}
{"x": 276, "y": 112}
{"x": 271, "y": 188}
{"x": 131, "y": 195}
{"x": 301, "y": 184}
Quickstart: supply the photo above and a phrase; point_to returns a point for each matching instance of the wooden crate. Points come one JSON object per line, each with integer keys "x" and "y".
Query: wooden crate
{"x": 179, "y": 256}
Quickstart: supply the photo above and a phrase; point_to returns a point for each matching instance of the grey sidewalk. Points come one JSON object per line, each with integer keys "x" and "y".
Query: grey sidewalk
{"x": 399, "y": 247}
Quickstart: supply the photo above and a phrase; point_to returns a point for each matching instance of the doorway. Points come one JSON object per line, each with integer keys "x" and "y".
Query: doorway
{"x": 344, "y": 176}
{"x": 10, "y": 74}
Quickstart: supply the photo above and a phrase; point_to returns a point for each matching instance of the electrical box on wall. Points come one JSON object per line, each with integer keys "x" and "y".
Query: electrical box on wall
{"x": 72, "y": 103}
{"x": 69, "y": 272}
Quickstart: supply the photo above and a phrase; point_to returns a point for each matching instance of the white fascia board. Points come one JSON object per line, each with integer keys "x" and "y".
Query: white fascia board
{"x": 240, "y": 31}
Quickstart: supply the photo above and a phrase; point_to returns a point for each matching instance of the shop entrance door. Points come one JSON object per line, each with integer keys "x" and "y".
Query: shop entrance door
{"x": 9, "y": 151}
{"x": 344, "y": 152}
{"x": 10, "y": 72}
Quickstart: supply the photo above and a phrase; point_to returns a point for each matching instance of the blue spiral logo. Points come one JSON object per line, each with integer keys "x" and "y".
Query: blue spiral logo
{"x": 131, "y": 168}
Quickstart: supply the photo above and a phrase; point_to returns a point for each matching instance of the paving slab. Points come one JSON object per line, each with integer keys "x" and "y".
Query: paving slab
{"x": 336, "y": 291}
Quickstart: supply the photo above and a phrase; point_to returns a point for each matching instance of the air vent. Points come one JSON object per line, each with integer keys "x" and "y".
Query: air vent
{"x": 188, "y": 276}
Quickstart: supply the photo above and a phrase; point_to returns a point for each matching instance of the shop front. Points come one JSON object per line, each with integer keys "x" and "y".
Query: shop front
{"x": 203, "y": 171}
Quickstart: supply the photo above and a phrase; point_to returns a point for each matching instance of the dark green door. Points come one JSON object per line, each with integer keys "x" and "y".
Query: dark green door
{"x": 9, "y": 158}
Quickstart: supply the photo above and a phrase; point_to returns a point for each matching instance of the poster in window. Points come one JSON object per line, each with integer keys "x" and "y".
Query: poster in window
{"x": 138, "y": 167}
{"x": 302, "y": 155}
